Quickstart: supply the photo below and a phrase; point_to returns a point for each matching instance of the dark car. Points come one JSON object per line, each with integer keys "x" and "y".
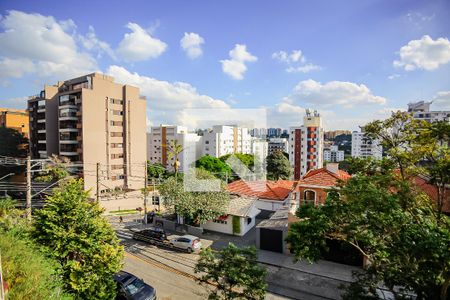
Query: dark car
{"x": 150, "y": 234}
{"x": 129, "y": 287}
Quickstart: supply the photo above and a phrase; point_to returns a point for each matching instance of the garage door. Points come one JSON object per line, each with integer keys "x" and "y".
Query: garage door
{"x": 271, "y": 240}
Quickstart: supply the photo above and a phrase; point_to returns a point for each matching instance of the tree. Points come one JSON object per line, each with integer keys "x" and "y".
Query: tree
{"x": 156, "y": 170}
{"x": 215, "y": 166}
{"x": 247, "y": 159}
{"x": 234, "y": 271}
{"x": 175, "y": 150}
{"x": 26, "y": 271}
{"x": 71, "y": 230}
{"x": 381, "y": 213}
{"x": 199, "y": 207}
{"x": 278, "y": 166}
{"x": 55, "y": 170}
{"x": 12, "y": 143}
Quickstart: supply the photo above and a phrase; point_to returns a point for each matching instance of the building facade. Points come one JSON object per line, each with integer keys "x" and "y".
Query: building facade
{"x": 225, "y": 139}
{"x": 365, "y": 147}
{"x": 278, "y": 144}
{"x": 333, "y": 154}
{"x": 421, "y": 111}
{"x": 96, "y": 123}
{"x": 160, "y": 139}
{"x": 306, "y": 145}
{"x": 16, "y": 119}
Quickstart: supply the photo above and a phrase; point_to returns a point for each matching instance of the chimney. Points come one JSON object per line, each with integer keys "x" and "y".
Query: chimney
{"x": 333, "y": 168}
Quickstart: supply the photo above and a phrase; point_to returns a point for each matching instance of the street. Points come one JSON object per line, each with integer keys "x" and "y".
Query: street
{"x": 170, "y": 272}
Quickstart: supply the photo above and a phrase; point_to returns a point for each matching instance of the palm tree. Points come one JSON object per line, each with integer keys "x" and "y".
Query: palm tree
{"x": 175, "y": 150}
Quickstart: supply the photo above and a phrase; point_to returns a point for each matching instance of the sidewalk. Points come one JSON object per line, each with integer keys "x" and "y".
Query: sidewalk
{"x": 323, "y": 268}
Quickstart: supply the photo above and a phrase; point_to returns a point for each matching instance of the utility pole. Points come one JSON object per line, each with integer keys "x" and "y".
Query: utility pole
{"x": 145, "y": 193}
{"x": 28, "y": 197}
{"x": 98, "y": 183}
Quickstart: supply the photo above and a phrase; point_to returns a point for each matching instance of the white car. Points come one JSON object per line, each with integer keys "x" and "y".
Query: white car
{"x": 189, "y": 243}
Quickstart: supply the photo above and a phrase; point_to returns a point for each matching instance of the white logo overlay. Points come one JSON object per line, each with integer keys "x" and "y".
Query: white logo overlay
{"x": 232, "y": 136}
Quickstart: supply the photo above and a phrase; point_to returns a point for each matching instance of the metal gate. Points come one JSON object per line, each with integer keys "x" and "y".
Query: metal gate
{"x": 271, "y": 240}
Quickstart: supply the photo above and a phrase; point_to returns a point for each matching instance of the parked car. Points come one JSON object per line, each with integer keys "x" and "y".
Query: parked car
{"x": 129, "y": 287}
{"x": 150, "y": 234}
{"x": 189, "y": 243}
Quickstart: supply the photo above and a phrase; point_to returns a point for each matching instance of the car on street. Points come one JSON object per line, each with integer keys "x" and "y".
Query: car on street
{"x": 150, "y": 234}
{"x": 129, "y": 287}
{"x": 189, "y": 243}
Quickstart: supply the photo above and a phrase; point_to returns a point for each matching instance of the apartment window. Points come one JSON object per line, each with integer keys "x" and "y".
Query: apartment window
{"x": 207, "y": 142}
{"x": 115, "y": 156}
{"x": 116, "y": 101}
{"x": 121, "y": 176}
{"x": 116, "y": 134}
{"x": 155, "y": 200}
{"x": 116, "y": 123}
{"x": 220, "y": 221}
{"x": 116, "y": 112}
{"x": 116, "y": 145}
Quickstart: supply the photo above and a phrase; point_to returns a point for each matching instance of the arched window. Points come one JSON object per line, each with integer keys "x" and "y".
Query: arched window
{"x": 309, "y": 197}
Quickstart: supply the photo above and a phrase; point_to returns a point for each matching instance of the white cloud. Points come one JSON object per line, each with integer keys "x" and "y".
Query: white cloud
{"x": 192, "y": 44}
{"x": 30, "y": 42}
{"x": 296, "y": 62}
{"x": 393, "y": 76}
{"x": 334, "y": 93}
{"x": 236, "y": 67}
{"x": 304, "y": 69}
{"x": 92, "y": 43}
{"x": 441, "y": 101}
{"x": 426, "y": 54}
{"x": 139, "y": 45}
{"x": 166, "y": 100}
{"x": 16, "y": 102}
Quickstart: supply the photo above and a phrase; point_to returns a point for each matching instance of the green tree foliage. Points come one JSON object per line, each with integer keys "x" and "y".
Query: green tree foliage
{"x": 57, "y": 169}
{"x": 278, "y": 166}
{"x": 197, "y": 206}
{"x": 72, "y": 231}
{"x": 156, "y": 170}
{"x": 382, "y": 214}
{"x": 247, "y": 159}
{"x": 215, "y": 166}
{"x": 175, "y": 150}
{"x": 12, "y": 143}
{"x": 235, "y": 272}
{"x": 27, "y": 272}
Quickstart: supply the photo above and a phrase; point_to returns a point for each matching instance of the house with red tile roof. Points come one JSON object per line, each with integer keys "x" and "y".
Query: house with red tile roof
{"x": 314, "y": 186}
{"x": 432, "y": 192}
{"x": 270, "y": 195}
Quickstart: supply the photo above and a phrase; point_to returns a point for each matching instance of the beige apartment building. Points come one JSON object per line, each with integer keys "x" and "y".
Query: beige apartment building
{"x": 92, "y": 120}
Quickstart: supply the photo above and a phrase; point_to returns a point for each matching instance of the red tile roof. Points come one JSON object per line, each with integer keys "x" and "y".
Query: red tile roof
{"x": 322, "y": 177}
{"x": 271, "y": 190}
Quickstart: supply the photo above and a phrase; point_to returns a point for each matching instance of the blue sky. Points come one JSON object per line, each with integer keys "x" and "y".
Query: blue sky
{"x": 353, "y": 61}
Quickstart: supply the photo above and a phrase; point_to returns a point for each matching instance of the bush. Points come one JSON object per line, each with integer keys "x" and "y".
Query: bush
{"x": 27, "y": 272}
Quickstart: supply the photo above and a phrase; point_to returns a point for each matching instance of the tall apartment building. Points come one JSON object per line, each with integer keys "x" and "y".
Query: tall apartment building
{"x": 333, "y": 154}
{"x": 91, "y": 119}
{"x": 306, "y": 145}
{"x": 16, "y": 119}
{"x": 225, "y": 139}
{"x": 364, "y": 147}
{"x": 274, "y": 132}
{"x": 160, "y": 138}
{"x": 258, "y": 132}
{"x": 421, "y": 110}
{"x": 278, "y": 144}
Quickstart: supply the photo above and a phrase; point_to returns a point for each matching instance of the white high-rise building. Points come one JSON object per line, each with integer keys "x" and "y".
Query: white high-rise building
{"x": 333, "y": 154}
{"x": 160, "y": 139}
{"x": 421, "y": 111}
{"x": 306, "y": 145}
{"x": 225, "y": 139}
{"x": 364, "y": 147}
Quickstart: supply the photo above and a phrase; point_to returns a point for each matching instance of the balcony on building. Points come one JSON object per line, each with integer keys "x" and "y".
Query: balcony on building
{"x": 68, "y": 149}
{"x": 68, "y": 137}
{"x": 68, "y": 114}
{"x": 68, "y": 101}
{"x": 68, "y": 125}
